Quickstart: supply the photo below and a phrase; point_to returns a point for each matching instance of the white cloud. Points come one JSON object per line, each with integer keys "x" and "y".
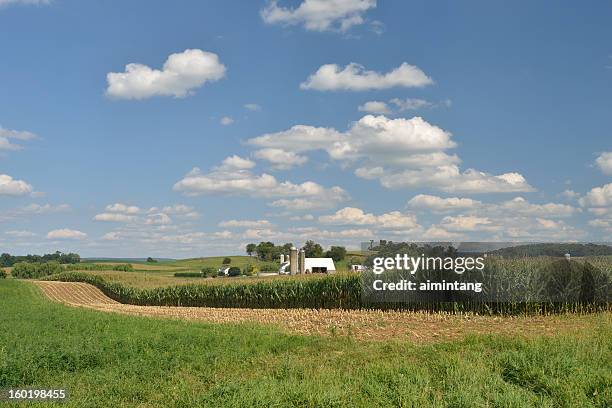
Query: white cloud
{"x": 356, "y": 216}
{"x": 12, "y": 187}
{"x": 598, "y": 200}
{"x": 354, "y": 77}
{"x": 411, "y": 104}
{"x": 182, "y": 73}
{"x": 280, "y": 159}
{"x": 158, "y": 219}
{"x": 114, "y": 217}
{"x": 604, "y": 162}
{"x": 438, "y": 204}
{"x": 402, "y": 153}
{"x": 570, "y": 195}
{"x": 232, "y": 178}
{"x": 466, "y": 223}
{"x": 325, "y": 199}
{"x": 374, "y": 107}
{"x": 123, "y": 208}
{"x": 226, "y": 120}
{"x": 451, "y": 179}
{"x": 66, "y": 234}
{"x": 319, "y": 15}
{"x": 257, "y": 224}
{"x": 16, "y": 134}
{"x": 252, "y": 107}
{"x": 521, "y": 206}
{"x": 237, "y": 162}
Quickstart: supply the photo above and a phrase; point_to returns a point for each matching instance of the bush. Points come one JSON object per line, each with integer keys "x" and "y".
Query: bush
{"x": 227, "y": 261}
{"x": 234, "y": 271}
{"x": 28, "y": 270}
{"x": 99, "y": 267}
{"x": 269, "y": 267}
{"x": 2, "y": 274}
{"x": 188, "y": 275}
{"x": 209, "y": 271}
{"x": 248, "y": 270}
{"x": 123, "y": 268}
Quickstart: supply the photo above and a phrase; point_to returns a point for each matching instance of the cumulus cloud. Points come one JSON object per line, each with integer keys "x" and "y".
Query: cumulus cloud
{"x": 279, "y": 158}
{"x": 234, "y": 178}
{"x": 598, "y": 200}
{"x": 66, "y": 234}
{"x": 254, "y": 224}
{"x": 356, "y": 216}
{"x": 16, "y": 134}
{"x": 354, "y": 77}
{"x": 438, "y": 204}
{"x": 237, "y": 162}
{"x": 374, "y": 107}
{"x": 451, "y": 179}
{"x": 401, "y": 153}
{"x": 11, "y": 187}
{"x": 114, "y": 217}
{"x": 123, "y": 208}
{"x": 411, "y": 103}
{"x": 319, "y": 15}
{"x": 181, "y": 74}
{"x": 604, "y": 163}
{"x": 226, "y": 120}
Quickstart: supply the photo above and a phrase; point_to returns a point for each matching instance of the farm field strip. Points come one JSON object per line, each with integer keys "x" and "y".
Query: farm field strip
{"x": 419, "y": 327}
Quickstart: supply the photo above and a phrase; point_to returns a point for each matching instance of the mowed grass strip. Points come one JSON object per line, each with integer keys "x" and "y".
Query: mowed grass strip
{"x": 120, "y": 361}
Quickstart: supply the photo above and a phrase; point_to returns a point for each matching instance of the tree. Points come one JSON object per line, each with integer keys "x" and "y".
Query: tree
{"x": 149, "y": 259}
{"x": 250, "y": 249}
{"x": 265, "y": 251}
{"x": 286, "y": 249}
{"x": 227, "y": 261}
{"x": 312, "y": 249}
{"x": 337, "y": 253}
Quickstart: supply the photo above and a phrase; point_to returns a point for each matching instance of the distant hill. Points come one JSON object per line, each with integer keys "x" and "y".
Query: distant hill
{"x": 125, "y": 259}
{"x": 555, "y": 249}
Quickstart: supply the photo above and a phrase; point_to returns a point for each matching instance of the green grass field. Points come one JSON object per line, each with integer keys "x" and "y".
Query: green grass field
{"x": 115, "y": 360}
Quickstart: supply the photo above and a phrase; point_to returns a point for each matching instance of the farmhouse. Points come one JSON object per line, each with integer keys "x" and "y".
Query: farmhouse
{"x": 297, "y": 263}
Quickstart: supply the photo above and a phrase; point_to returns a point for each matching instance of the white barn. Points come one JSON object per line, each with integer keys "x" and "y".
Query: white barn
{"x": 319, "y": 265}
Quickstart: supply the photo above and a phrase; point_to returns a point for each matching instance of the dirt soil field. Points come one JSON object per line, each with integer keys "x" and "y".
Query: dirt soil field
{"x": 419, "y": 327}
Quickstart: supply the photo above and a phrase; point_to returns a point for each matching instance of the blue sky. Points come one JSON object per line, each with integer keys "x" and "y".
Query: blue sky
{"x": 345, "y": 121}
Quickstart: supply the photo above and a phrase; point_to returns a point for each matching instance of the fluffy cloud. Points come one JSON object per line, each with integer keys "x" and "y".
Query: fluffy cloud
{"x": 280, "y": 159}
{"x": 45, "y": 208}
{"x": 114, "y": 217}
{"x": 226, "y": 120}
{"x": 438, "y": 204}
{"x": 233, "y": 178}
{"x": 181, "y": 74}
{"x": 466, "y": 223}
{"x": 599, "y": 200}
{"x": 401, "y": 153}
{"x": 319, "y": 15}
{"x": 122, "y": 208}
{"x": 521, "y": 206}
{"x": 323, "y": 199}
{"x": 604, "y": 162}
{"x": 356, "y": 216}
{"x": 237, "y": 162}
{"x": 258, "y": 224}
{"x": 374, "y": 107}
{"x": 354, "y": 77}
{"x": 12, "y": 187}
{"x": 66, "y": 234}
{"x": 451, "y": 179}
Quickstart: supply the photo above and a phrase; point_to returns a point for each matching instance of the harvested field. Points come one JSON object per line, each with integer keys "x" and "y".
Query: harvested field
{"x": 420, "y": 327}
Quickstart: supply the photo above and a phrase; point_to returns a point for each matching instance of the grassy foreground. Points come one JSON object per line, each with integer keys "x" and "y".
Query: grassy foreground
{"x": 114, "y": 360}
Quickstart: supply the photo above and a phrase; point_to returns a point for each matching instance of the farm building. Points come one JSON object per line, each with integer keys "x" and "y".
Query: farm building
{"x": 297, "y": 263}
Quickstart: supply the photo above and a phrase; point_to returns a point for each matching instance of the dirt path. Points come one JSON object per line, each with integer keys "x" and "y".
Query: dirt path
{"x": 419, "y": 327}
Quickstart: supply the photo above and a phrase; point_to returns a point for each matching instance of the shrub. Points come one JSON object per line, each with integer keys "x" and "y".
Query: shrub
{"x": 124, "y": 268}
{"x": 99, "y": 267}
{"x": 209, "y": 271}
{"x": 234, "y": 271}
{"x": 227, "y": 261}
{"x": 188, "y": 275}
{"x": 248, "y": 270}
{"x": 269, "y": 267}
{"x": 31, "y": 270}
{"x": 2, "y": 274}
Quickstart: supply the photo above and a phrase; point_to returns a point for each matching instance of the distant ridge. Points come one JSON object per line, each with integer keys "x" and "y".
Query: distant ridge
{"x": 125, "y": 259}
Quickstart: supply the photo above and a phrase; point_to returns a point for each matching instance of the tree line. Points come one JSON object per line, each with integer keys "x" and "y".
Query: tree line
{"x": 7, "y": 260}
{"x": 268, "y": 251}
